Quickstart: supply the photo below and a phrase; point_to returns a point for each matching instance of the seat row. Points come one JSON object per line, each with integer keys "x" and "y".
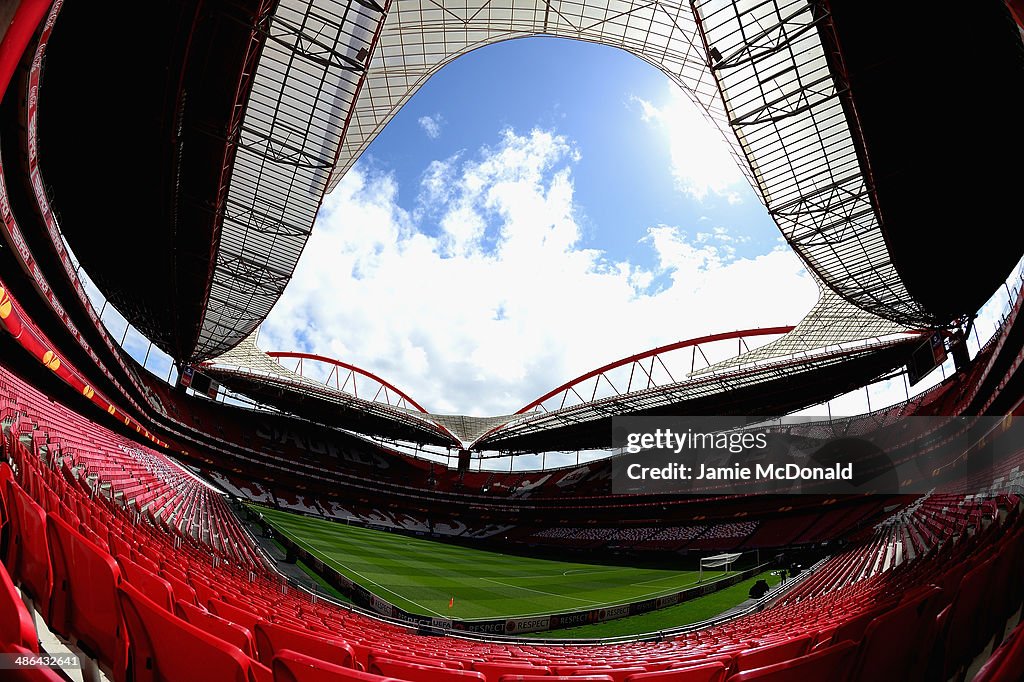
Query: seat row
{"x": 134, "y": 595}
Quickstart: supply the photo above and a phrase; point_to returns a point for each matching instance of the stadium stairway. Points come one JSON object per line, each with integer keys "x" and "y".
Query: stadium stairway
{"x": 145, "y": 597}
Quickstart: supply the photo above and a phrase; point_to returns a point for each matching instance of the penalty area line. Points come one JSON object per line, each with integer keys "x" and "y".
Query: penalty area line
{"x": 548, "y": 594}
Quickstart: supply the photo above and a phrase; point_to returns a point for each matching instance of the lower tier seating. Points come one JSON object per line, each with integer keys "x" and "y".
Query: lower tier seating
{"x": 132, "y": 593}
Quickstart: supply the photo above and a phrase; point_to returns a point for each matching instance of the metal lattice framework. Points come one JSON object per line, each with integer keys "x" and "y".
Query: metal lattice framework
{"x": 319, "y": 402}
{"x": 420, "y": 36}
{"x": 668, "y": 376}
{"x": 785, "y": 103}
{"x": 760, "y": 72}
{"x": 656, "y": 367}
{"x": 375, "y": 389}
{"x": 882, "y": 354}
{"x": 285, "y": 143}
{"x": 251, "y": 371}
{"x": 831, "y": 324}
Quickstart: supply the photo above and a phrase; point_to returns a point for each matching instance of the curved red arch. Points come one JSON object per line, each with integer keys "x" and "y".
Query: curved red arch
{"x": 352, "y": 368}
{"x": 710, "y": 338}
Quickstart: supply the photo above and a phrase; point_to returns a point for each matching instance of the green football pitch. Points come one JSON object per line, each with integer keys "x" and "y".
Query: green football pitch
{"x": 421, "y": 576}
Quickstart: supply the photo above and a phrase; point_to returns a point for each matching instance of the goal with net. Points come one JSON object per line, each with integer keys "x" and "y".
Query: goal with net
{"x": 718, "y": 561}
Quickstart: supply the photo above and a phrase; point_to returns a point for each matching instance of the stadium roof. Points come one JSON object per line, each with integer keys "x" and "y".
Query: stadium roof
{"x": 227, "y": 181}
{"x": 772, "y": 379}
{"x": 771, "y": 76}
{"x": 221, "y": 154}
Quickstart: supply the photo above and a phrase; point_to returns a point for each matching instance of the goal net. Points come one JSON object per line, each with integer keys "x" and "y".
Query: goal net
{"x": 719, "y": 561}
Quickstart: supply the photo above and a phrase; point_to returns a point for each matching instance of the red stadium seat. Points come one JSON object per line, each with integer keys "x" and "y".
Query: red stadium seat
{"x": 119, "y": 546}
{"x": 143, "y": 560}
{"x": 414, "y": 672}
{"x": 771, "y": 653}
{"x": 150, "y": 584}
{"x": 853, "y": 629}
{"x": 168, "y": 571}
{"x": 247, "y": 619}
{"x": 687, "y": 662}
{"x": 897, "y": 644}
{"x": 617, "y": 674}
{"x": 16, "y": 623}
{"x": 271, "y": 638}
{"x": 493, "y": 670}
{"x": 164, "y": 648}
{"x": 149, "y": 556}
{"x": 407, "y": 658}
{"x": 182, "y": 590}
{"x": 706, "y": 672}
{"x": 84, "y": 607}
{"x": 1006, "y": 662}
{"x": 261, "y": 673}
{"x": 6, "y": 474}
{"x": 965, "y": 627}
{"x": 231, "y": 633}
{"x": 555, "y": 678}
{"x": 832, "y": 664}
{"x": 204, "y": 593}
{"x": 290, "y": 666}
{"x": 28, "y": 555}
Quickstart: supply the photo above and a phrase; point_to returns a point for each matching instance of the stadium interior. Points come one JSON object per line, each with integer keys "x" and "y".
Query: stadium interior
{"x": 180, "y": 527}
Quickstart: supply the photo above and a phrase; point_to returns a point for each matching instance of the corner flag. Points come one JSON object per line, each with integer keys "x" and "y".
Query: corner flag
{"x": 451, "y": 602}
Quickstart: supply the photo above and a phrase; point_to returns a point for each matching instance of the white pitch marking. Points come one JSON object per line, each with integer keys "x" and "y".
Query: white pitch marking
{"x": 549, "y": 594}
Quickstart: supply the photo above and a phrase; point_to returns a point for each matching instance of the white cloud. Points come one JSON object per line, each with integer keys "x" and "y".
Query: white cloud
{"x": 701, "y": 162}
{"x": 432, "y": 125}
{"x": 484, "y": 296}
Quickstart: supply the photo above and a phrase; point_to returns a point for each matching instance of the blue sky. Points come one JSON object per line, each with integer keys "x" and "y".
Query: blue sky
{"x": 592, "y": 94}
{"x": 540, "y": 207}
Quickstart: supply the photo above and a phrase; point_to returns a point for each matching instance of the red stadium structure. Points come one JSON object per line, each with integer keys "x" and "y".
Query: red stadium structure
{"x": 177, "y": 154}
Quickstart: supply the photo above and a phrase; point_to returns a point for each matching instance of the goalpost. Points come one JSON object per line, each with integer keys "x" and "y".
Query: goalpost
{"x": 717, "y": 561}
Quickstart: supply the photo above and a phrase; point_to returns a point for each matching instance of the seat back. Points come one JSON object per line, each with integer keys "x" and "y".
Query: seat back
{"x": 832, "y": 664}
{"x": 690, "y": 661}
{"x": 291, "y": 666}
{"x": 1006, "y": 661}
{"x": 6, "y": 474}
{"x": 853, "y": 629}
{"x": 771, "y": 653}
{"x": 555, "y": 678}
{"x": 272, "y": 637}
{"x": 181, "y": 589}
{"x": 29, "y": 556}
{"x": 231, "y": 633}
{"x": 405, "y": 657}
{"x": 84, "y": 606}
{"x": 967, "y": 625}
{"x": 704, "y": 672}
{"x": 493, "y": 670}
{"x": 16, "y": 624}
{"x": 150, "y": 584}
{"x": 896, "y": 644}
{"x": 164, "y": 648}
{"x": 240, "y": 616}
{"x": 414, "y": 672}
{"x": 616, "y": 673}
{"x": 204, "y": 593}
